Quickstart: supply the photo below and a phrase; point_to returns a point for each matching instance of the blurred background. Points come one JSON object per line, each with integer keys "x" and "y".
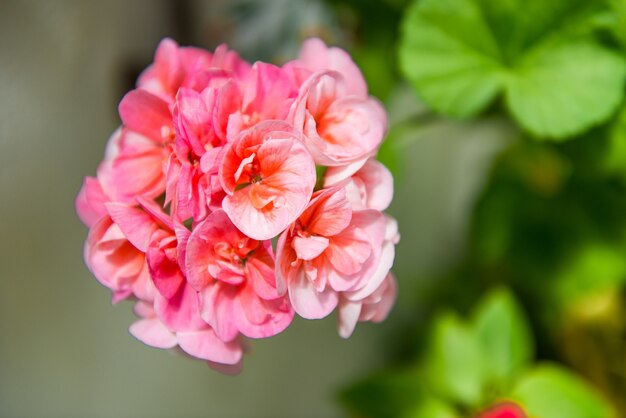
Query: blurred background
{"x": 489, "y": 192}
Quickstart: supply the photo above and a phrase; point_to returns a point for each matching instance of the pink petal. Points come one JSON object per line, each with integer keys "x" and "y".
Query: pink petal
{"x": 308, "y": 302}
{"x": 153, "y": 333}
{"x": 206, "y": 345}
{"x": 181, "y": 312}
{"x": 137, "y": 225}
{"x": 316, "y": 56}
{"x": 90, "y": 202}
{"x": 146, "y": 114}
{"x": 217, "y": 310}
{"x": 308, "y": 248}
{"x": 347, "y": 317}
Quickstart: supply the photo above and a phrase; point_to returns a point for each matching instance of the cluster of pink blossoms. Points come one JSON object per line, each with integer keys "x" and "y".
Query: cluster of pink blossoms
{"x": 214, "y": 159}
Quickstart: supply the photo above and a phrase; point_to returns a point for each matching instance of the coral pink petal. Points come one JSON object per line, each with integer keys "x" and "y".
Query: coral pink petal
{"x": 329, "y": 212}
{"x": 153, "y": 333}
{"x": 145, "y": 113}
{"x": 262, "y": 277}
{"x": 164, "y": 268}
{"x": 206, "y": 345}
{"x": 90, "y": 202}
{"x": 137, "y": 225}
{"x": 181, "y": 312}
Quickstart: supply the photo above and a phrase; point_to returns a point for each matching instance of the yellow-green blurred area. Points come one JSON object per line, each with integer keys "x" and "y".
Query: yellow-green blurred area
{"x": 507, "y": 140}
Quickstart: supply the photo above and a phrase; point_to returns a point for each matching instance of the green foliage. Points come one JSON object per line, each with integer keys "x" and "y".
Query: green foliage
{"x": 454, "y": 363}
{"x": 469, "y": 366}
{"x": 550, "y": 221}
{"x": 551, "y": 392}
{"x": 505, "y": 339}
{"x": 557, "y": 80}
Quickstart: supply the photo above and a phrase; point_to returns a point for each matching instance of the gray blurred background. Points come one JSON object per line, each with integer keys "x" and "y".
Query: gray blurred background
{"x": 64, "y": 350}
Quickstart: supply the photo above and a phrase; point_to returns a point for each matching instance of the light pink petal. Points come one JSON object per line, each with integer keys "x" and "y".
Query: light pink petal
{"x": 146, "y": 114}
{"x": 113, "y": 260}
{"x": 258, "y": 318}
{"x": 181, "y": 312}
{"x": 166, "y": 74}
{"x": 143, "y": 287}
{"x": 379, "y": 274}
{"x": 90, "y": 202}
{"x": 378, "y": 183}
{"x": 206, "y": 345}
{"x": 316, "y": 56}
{"x": 133, "y": 166}
{"x": 337, "y": 174}
{"x": 308, "y": 302}
{"x": 308, "y": 248}
{"x": 377, "y": 306}
{"x": 283, "y": 263}
{"x": 156, "y": 212}
{"x": 137, "y": 225}
{"x": 347, "y": 317}
{"x": 217, "y": 310}
{"x": 143, "y": 309}
{"x": 262, "y": 277}
{"x": 268, "y": 92}
{"x": 256, "y": 224}
{"x": 153, "y": 333}
{"x": 347, "y": 253}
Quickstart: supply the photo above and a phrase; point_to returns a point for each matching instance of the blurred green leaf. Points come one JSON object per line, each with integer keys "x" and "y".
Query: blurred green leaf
{"x": 615, "y": 160}
{"x": 432, "y": 408}
{"x": 504, "y": 336}
{"x": 384, "y": 395}
{"x": 454, "y": 362}
{"x": 562, "y": 89}
{"x": 619, "y": 21}
{"x": 596, "y": 268}
{"x": 461, "y": 54}
{"x": 552, "y": 392}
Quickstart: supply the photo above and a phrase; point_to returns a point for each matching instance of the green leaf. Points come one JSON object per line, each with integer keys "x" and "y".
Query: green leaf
{"x": 449, "y": 54}
{"x": 453, "y": 362}
{"x": 383, "y": 395}
{"x": 504, "y": 336}
{"x": 560, "y": 90}
{"x": 432, "y": 408}
{"x": 615, "y": 158}
{"x": 461, "y": 54}
{"x": 552, "y": 392}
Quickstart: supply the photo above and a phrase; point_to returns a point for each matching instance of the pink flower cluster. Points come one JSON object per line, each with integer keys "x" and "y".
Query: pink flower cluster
{"x": 214, "y": 159}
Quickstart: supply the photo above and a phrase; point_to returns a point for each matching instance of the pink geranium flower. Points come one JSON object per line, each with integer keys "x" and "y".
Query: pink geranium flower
{"x": 214, "y": 158}
{"x": 175, "y": 67}
{"x": 331, "y": 249}
{"x": 268, "y": 176}
{"x": 316, "y": 56}
{"x": 235, "y": 277}
{"x": 339, "y": 128}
